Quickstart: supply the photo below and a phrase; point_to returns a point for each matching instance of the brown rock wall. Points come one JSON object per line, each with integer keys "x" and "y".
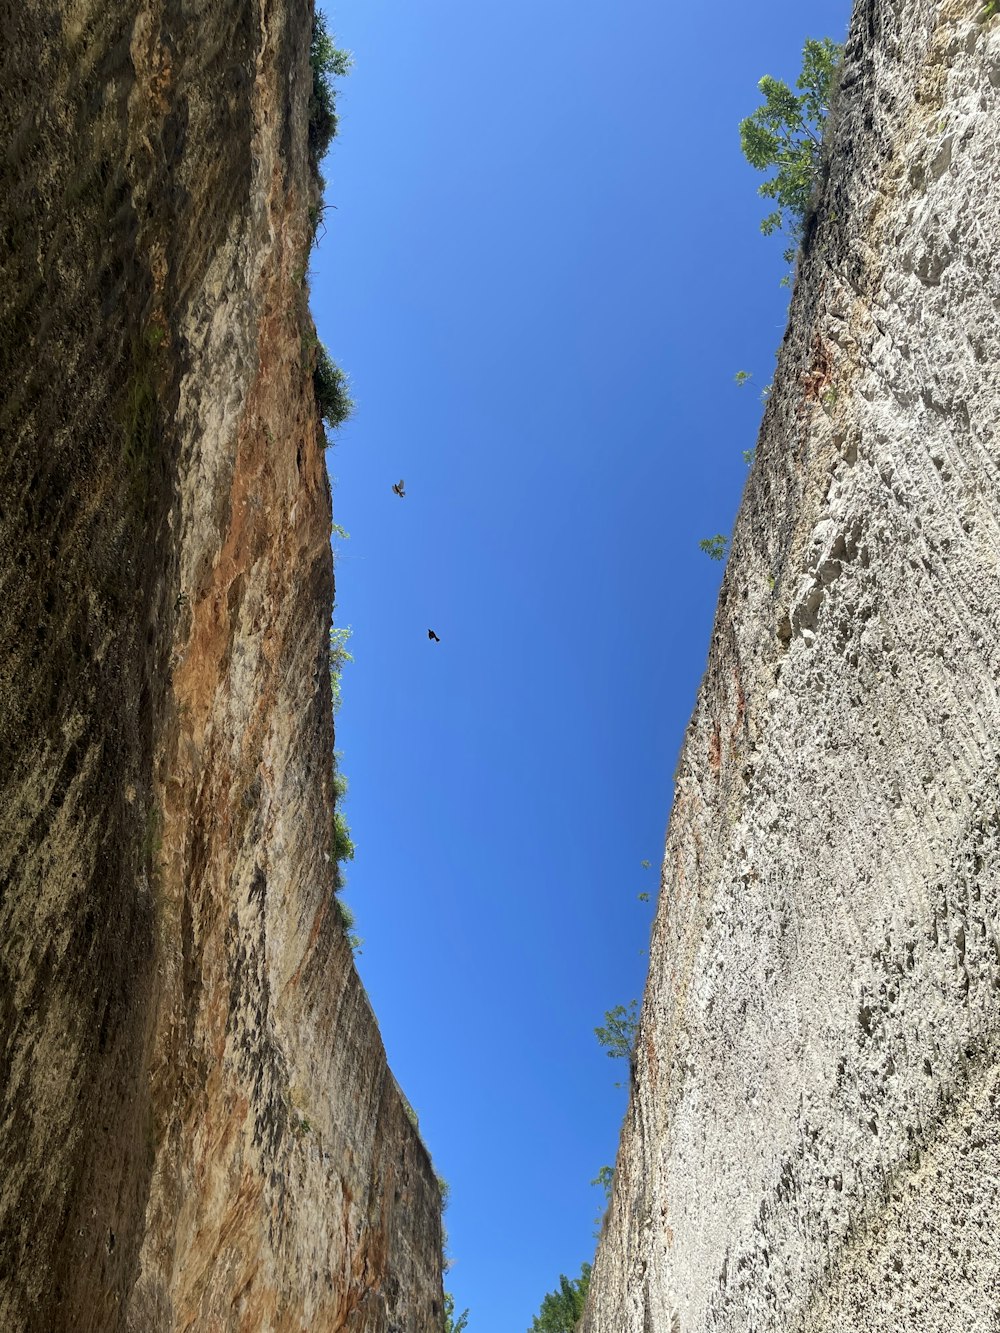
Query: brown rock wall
{"x": 199, "y": 1129}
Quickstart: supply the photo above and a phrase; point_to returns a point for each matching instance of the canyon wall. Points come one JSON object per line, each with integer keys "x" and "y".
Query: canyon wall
{"x": 813, "y": 1133}
{"x": 198, "y": 1127}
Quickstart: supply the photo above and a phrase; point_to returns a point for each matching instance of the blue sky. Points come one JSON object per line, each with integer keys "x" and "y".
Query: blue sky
{"x": 542, "y": 273}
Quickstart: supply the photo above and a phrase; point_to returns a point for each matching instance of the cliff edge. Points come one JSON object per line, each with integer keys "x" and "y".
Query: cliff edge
{"x": 814, "y": 1120}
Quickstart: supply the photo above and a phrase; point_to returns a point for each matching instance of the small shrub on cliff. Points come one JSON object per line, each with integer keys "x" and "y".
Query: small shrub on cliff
{"x": 332, "y": 395}
{"x": 339, "y": 656}
{"x": 347, "y": 922}
{"x": 786, "y": 134}
{"x": 328, "y": 62}
{"x": 343, "y": 845}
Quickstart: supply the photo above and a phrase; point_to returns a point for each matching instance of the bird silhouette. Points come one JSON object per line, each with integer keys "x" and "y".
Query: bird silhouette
{"x": 400, "y": 489}
{"x": 432, "y": 635}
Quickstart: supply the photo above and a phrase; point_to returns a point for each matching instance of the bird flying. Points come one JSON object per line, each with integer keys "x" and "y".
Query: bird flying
{"x": 432, "y": 635}
{"x": 399, "y": 489}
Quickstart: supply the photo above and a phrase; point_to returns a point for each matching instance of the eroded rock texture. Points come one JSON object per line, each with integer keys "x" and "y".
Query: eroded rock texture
{"x": 813, "y": 1136}
{"x": 198, "y": 1127}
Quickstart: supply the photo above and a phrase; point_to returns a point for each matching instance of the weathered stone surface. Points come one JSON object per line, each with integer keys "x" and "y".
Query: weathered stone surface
{"x": 198, "y": 1126}
{"x": 814, "y": 1123}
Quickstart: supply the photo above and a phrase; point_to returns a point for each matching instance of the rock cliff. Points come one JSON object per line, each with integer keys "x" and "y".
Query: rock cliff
{"x": 198, "y": 1126}
{"x": 814, "y": 1121}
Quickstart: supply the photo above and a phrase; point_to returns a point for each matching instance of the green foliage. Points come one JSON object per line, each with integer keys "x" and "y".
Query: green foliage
{"x": 989, "y": 10}
{"x": 445, "y": 1190}
{"x": 333, "y": 397}
{"x": 617, "y": 1036}
{"x": 605, "y": 1178}
{"x": 561, "y": 1310}
{"x": 748, "y": 456}
{"x": 328, "y": 62}
{"x": 785, "y": 135}
{"x": 347, "y": 921}
{"x": 714, "y": 547}
{"x": 339, "y": 637}
{"x": 453, "y": 1323}
{"x": 743, "y": 377}
{"x": 343, "y": 845}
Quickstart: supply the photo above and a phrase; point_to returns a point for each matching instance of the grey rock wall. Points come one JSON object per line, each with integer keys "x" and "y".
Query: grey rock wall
{"x": 813, "y": 1134}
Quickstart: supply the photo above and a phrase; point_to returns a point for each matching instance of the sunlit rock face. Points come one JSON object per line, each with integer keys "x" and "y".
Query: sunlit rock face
{"x": 814, "y": 1124}
{"x": 198, "y": 1128}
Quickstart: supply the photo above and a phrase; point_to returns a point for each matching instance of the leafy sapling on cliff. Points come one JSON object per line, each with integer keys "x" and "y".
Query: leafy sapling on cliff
{"x": 617, "y": 1036}
{"x": 605, "y": 1178}
{"x": 454, "y": 1323}
{"x": 714, "y": 547}
{"x": 785, "y": 135}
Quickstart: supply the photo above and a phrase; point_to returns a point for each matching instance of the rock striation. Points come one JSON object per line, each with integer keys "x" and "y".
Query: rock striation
{"x": 813, "y": 1131}
{"x": 198, "y": 1127}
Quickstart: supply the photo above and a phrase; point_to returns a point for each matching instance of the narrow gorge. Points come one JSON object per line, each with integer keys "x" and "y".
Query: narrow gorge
{"x": 199, "y": 1128}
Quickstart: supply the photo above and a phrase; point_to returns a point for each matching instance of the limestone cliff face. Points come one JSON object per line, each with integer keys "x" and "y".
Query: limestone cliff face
{"x": 814, "y": 1122}
{"x": 198, "y": 1127}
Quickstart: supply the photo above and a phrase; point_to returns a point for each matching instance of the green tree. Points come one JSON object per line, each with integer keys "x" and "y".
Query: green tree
{"x": 453, "y": 1323}
{"x": 561, "y": 1310}
{"x": 785, "y": 135}
{"x": 618, "y": 1034}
